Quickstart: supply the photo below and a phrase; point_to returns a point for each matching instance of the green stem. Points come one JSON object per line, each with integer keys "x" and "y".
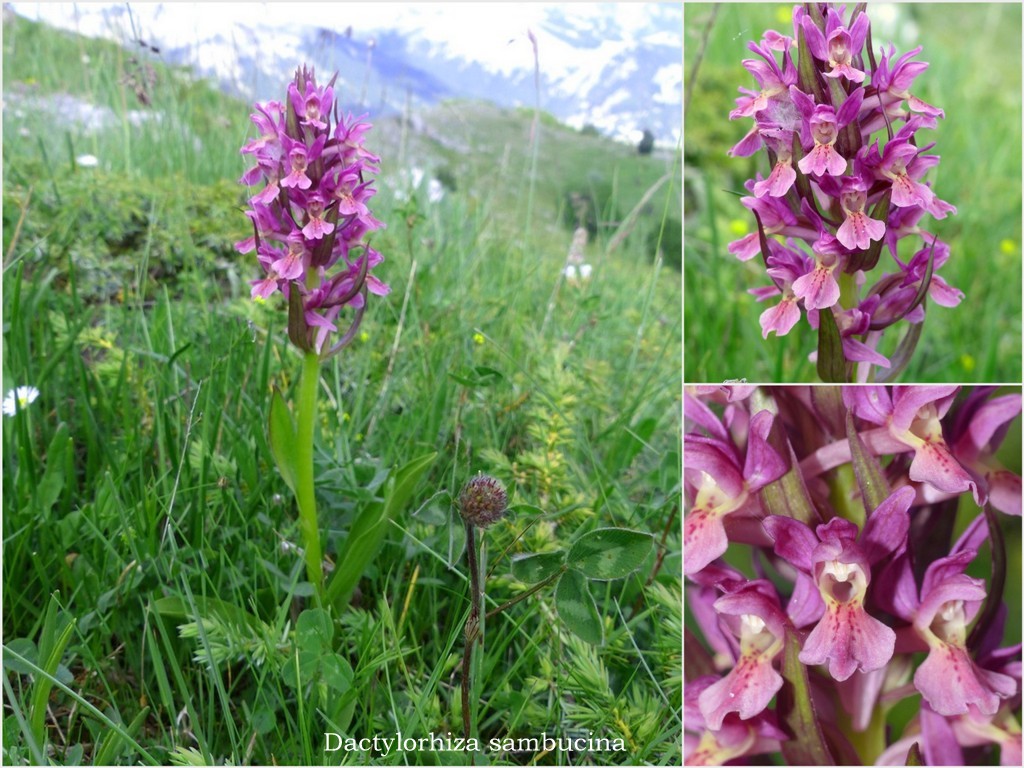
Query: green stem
{"x": 308, "y": 523}
{"x": 847, "y": 290}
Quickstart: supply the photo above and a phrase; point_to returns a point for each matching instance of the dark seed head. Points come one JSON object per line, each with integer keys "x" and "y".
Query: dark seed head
{"x": 483, "y": 501}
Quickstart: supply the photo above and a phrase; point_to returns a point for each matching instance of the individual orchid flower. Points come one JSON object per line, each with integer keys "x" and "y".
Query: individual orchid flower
{"x": 734, "y": 739}
{"x": 949, "y": 679}
{"x": 822, "y": 124}
{"x": 819, "y": 288}
{"x": 980, "y": 427}
{"x": 837, "y": 46}
{"x": 858, "y": 229}
{"x": 783, "y": 176}
{"x": 786, "y": 266}
{"x": 913, "y": 416}
{"x": 847, "y": 637}
{"x": 772, "y": 79}
{"x": 724, "y": 485}
{"x": 752, "y": 613}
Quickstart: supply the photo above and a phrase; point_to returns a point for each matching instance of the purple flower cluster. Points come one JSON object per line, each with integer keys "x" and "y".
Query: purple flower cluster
{"x": 846, "y": 175}
{"x": 839, "y": 507}
{"x": 311, "y": 218}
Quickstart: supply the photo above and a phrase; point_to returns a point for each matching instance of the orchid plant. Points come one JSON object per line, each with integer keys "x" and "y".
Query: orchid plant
{"x": 846, "y": 552}
{"x": 312, "y": 227}
{"x": 839, "y": 125}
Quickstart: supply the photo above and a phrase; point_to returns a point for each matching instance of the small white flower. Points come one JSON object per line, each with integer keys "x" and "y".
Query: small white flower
{"x": 570, "y": 273}
{"x": 18, "y": 399}
{"x": 87, "y": 161}
{"x": 585, "y": 270}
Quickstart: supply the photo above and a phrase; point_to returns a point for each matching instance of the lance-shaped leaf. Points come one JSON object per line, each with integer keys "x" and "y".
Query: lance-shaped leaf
{"x": 808, "y": 77}
{"x": 298, "y": 331}
{"x": 828, "y": 405}
{"x": 873, "y": 487}
{"x": 283, "y": 439}
{"x": 371, "y": 526}
{"x": 763, "y": 239}
{"x": 831, "y": 360}
{"x": 997, "y": 583}
{"x": 788, "y": 495}
{"x": 797, "y": 717}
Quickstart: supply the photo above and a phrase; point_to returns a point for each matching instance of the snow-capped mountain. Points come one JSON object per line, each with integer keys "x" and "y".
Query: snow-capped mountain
{"x": 615, "y": 66}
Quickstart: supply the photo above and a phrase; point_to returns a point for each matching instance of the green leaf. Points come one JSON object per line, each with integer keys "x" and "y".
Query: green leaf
{"x": 56, "y": 633}
{"x": 609, "y": 553}
{"x": 336, "y": 672}
{"x": 535, "y": 568}
{"x": 370, "y": 527}
{"x": 314, "y": 628}
{"x": 868, "y": 472}
{"x": 787, "y": 496}
{"x": 283, "y": 438}
{"x": 206, "y": 608}
{"x": 114, "y": 742}
{"x": 52, "y": 483}
{"x": 25, "y": 648}
{"x": 298, "y": 331}
{"x": 806, "y": 743}
{"x": 831, "y": 361}
{"x": 577, "y": 609}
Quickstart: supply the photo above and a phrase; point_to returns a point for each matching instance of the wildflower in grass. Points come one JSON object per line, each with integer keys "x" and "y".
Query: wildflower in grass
{"x": 18, "y": 399}
{"x": 842, "y": 596}
{"x": 311, "y": 231}
{"x": 311, "y": 218}
{"x": 840, "y": 131}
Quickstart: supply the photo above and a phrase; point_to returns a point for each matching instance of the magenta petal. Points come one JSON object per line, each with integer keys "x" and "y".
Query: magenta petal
{"x": 939, "y": 745}
{"x": 763, "y": 465}
{"x": 805, "y": 606}
{"x": 747, "y": 690}
{"x": 935, "y": 465}
{"x": 886, "y": 528}
{"x": 818, "y": 288}
{"x": 908, "y": 400}
{"x": 1004, "y": 492}
{"x": 949, "y": 680}
{"x": 781, "y": 318}
{"x": 849, "y": 639}
{"x": 871, "y": 403}
{"x": 794, "y": 541}
{"x": 992, "y": 415}
{"x": 704, "y": 540}
{"x": 709, "y": 456}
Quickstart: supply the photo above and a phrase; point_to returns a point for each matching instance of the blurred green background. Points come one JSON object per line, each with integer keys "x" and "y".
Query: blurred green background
{"x": 974, "y": 52}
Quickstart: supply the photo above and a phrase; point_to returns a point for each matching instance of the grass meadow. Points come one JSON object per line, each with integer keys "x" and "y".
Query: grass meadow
{"x": 974, "y": 75}
{"x": 153, "y": 595}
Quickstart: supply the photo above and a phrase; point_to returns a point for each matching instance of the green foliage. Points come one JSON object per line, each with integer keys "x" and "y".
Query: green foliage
{"x": 142, "y": 484}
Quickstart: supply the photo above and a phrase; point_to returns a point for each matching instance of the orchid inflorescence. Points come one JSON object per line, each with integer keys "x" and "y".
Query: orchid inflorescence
{"x": 845, "y": 551}
{"x": 839, "y": 126}
{"x": 311, "y": 219}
